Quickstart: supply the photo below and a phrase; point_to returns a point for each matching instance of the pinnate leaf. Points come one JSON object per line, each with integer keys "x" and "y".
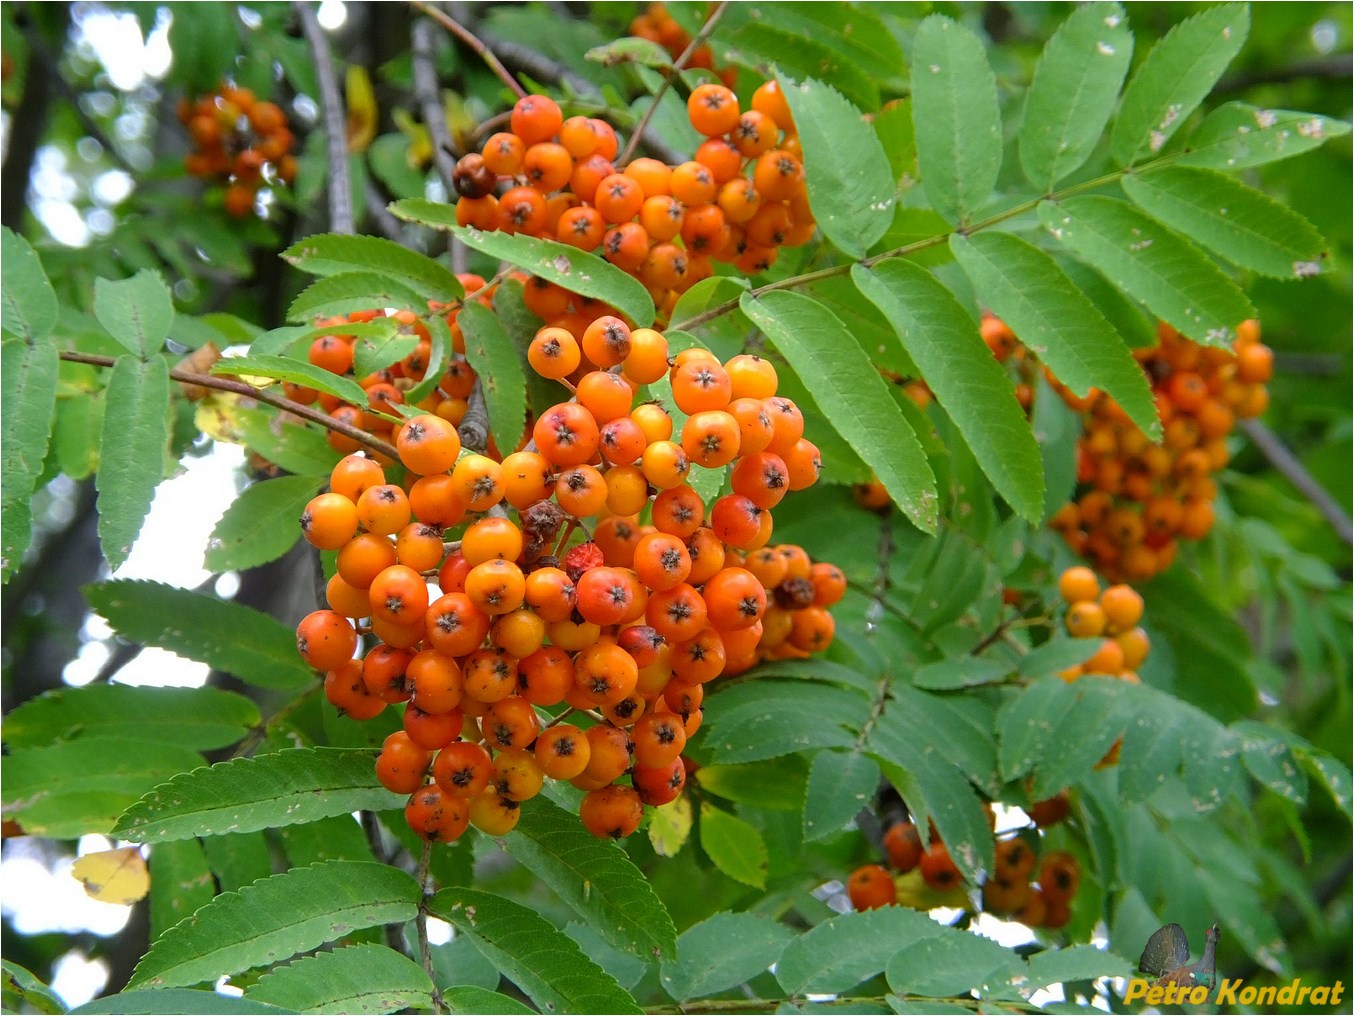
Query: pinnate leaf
{"x": 968, "y": 382}
{"x": 735, "y": 846}
{"x": 334, "y": 253}
{"x": 353, "y": 291}
{"x": 1075, "y": 963}
{"x": 261, "y": 524}
{"x": 573, "y": 269}
{"x": 239, "y": 640}
{"x": 132, "y": 453}
{"x": 845, "y": 169}
{"x": 1247, "y": 227}
{"x": 278, "y": 917}
{"x": 1072, "y": 94}
{"x": 722, "y": 952}
{"x": 841, "y": 783}
{"x": 594, "y": 877}
{"x": 471, "y": 1000}
{"x": 535, "y": 955}
{"x": 28, "y": 375}
{"x": 28, "y": 309}
{"x": 138, "y": 312}
{"x": 955, "y": 114}
{"x": 842, "y": 951}
{"x": 70, "y": 788}
{"x": 200, "y": 718}
{"x": 950, "y": 963}
{"x": 298, "y": 372}
{"x": 1238, "y": 136}
{"x": 364, "y": 978}
{"x": 182, "y": 881}
{"x": 498, "y": 367}
{"x": 1174, "y": 78}
{"x": 1026, "y": 289}
{"x": 244, "y": 794}
{"x": 175, "y": 1002}
{"x": 837, "y": 373}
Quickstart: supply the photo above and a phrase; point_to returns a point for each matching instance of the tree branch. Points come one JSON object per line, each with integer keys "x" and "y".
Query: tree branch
{"x": 474, "y": 426}
{"x": 335, "y": 121}
{"x": 429, "y": 97}
{"x": 466, "y": 36}
{"x": 676, "y": 69}
{"x": 1289, "y": 466}
{"x": 425, "y": 954}
{"x": 261, "y": 394}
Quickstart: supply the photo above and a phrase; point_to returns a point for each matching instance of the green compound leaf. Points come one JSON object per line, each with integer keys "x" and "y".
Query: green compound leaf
{"x": 722, "y": 952}
{"x": 498, "y": 366}
{"x": 28, "y": 376}
{"x": 1247, "y": 227}
{"x": 1072, "y": 94}
{"x": 1056, "y": 321}
{"x": 364, "y": 978}
{"x": 1238, "y": 136}
{"x": 279, "y": 439}
{"x": 175, "y": 1002}
{"x": 736, "y": 846}
{"x": 469, "y": 1000}
{"x": 67, "y": 789}
{"x": 244, "y": 794}
{"x": 782, "y": 719}
{"x": 181, "y": 882}
{"x": 132, "y": 453}
{"x": 28, "y": 309}
{"x": 1148, "y": 262}
{"x": 195, "y": 718}
{"x": 594, "y": 877}
{"x": 1075, "y": 963}
{"x": 847, "y": 173}
{"x": 21, "y": 987}
{"x": 298, "y": 372}
{"x": 138, "y": 312}
{"x": 841, "y": 783}
{"x": 248, "y": 643}
{"x": 839, "y": 953}
{"x": 334, "y": 254}
{"x": 540, "y": 959}
{"x": 278, "y": 917}
{"x": 261, "y": 524}
{"x": 574, "y": 269}
{"x": 435, "y": 214}
{"x": 837, "y": 373}
{"x": 950, "y": 963}
{"x": 439, "y": 355}
{"x": 353, "y": 291}
{"x": 1175, "y": 77}
{"x": 968, "y": 382}
{"x": 955, "y": 114}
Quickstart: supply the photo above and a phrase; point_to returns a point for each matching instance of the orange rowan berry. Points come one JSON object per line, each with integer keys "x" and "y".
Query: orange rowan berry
{"x": 325, "y": 640}
{"x": 536, "y": 118}
{"x": 435, "y": 816}
{"x": 938, "y": 869}
{"x": 611, "y": 811}
{"x": 770, "y": 100}
{"x": 903, "y": 845}
{"x": 329, "y": 521}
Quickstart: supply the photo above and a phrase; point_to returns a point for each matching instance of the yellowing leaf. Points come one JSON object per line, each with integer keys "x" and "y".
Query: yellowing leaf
{"x": 670, "y": 826}
{"x": 217, "y": 415}
{"x": 420, "y": 141}
{"x": 361, "y": 109}
{"x": 114, "y": 876}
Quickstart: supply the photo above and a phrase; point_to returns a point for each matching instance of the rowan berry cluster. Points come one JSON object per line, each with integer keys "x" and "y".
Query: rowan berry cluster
{"x": 1014, "y": 888}
{"x": 1137, "y": 499}
{"x": 587, "y": 575}
{"x": 657, "y": 25}
{"x": 738, "y": 200}
{"x": 1112, "y": 615}
{"x": 238, "y": 141}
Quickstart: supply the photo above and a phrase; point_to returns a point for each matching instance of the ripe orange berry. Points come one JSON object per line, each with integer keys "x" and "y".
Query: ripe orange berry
{"x": 435, "y": 816}
{"x": 536, "y": 118}
{"x": 1085, "y": 619}
{"x": 1078, "y": 584}
{"x": 325, "y": 639}
{"x": 712, "y": 109}
{"x": 938, "y": 868}
{"x": 1059, "y": 876}
{"x": 611, "y": 811}
{"x": 903, "y": 845}
{"x": 329, "y": 521}
{"x": 1122, "y": 606}
{"x": 554, "y": 353}
{"x": 428, "y": 444}
{"x": 871, "y": 886}
{"x": 462, "y": 769}
{"x": 401, "y": 765}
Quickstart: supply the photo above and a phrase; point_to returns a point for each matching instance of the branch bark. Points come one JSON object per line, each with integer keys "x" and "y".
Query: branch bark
{"x": 1288, "y": 465}
{"x": 335, "y": 121}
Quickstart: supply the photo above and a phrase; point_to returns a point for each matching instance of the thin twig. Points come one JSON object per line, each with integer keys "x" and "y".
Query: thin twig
{"x": 676, "y": 68}
{"x": 469, "y": 38}
{"x": 425, "y": 953}
{"x": 390, "y": 227}
{"x": 260, "y": 394}
{"x": 429, "y": 97}
{"x": 1289, "y": 466}
{"x": 335, "y": 121}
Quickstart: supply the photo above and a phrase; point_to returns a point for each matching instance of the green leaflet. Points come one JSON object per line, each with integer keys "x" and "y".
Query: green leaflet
{"x": 1175, "y": 77}
{"x": 263, "y": 792}
{"x": 955, "y": 114}
{"x": 132, "y": 454}
{"x": 1150, "y": 263}
{"x": 278, "y": 917}
{"x": 1072, "y": 94}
